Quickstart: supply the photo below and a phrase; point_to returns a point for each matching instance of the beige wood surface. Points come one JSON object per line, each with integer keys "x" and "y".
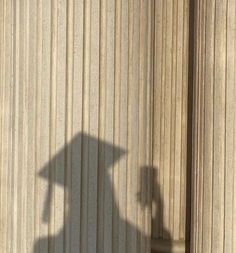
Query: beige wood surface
{"x": 75, "y": 128}
{"x": 213, "y": 193}
{"x": 170, "y": 124}
{"x": 94, "y": 115}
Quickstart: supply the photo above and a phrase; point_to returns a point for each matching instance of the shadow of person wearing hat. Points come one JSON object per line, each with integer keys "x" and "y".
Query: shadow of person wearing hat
{"x": 47, "y": 244}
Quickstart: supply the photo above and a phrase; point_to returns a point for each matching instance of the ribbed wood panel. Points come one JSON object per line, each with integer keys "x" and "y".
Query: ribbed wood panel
{"x": 76, "y": 119}
{"x": 214, "y": 210}
{"x": 170, "y": 121}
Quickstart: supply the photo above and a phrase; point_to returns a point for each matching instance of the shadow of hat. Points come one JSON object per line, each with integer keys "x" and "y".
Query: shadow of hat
{"x": 90, "y": 144}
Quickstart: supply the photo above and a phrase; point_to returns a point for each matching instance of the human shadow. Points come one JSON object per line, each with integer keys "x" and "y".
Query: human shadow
{"x": 59, "y": 175}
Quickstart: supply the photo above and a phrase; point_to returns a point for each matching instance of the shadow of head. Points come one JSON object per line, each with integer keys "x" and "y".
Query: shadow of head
{"x": 88, "y": 149}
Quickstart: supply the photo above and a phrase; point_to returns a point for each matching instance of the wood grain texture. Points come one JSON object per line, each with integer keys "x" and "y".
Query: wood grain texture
{"x": 75, "y": 77}
{"x": 170, "y": 121}
{"x": 213, "y": 192}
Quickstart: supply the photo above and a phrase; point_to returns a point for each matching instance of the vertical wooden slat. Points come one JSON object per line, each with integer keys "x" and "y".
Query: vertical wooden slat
{"x": 69, "y": 125}
{"x": 77, "y": 109}
{"x": 93, "y": 126}
{"x": 15, "y": 153}
{"x": 132, "y": 138}
{"x": 123, "y": 86}
{"x": 85, "y": 122}
{"x": 24, "y": 117}
{"x": 213, "y": 220}
{"x": 60, "y": 120}
{"x": 170, "y": 125}
{"x": 44, "y": 140}
{"x": 31, "y": 110}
